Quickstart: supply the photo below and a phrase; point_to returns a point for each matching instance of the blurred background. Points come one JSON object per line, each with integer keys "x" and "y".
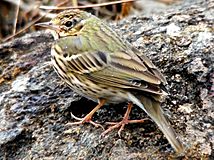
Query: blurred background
{"x": 18, "y": 17}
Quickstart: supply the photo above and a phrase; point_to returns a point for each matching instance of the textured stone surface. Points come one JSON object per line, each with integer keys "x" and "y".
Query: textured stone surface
{"x": 35, "y": 105}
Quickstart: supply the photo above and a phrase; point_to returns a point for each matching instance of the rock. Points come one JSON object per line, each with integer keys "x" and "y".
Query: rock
{"x": 35, "y": 105}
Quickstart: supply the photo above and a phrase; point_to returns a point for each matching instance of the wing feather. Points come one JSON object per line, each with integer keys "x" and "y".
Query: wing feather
{"x": 124, "y": 69}
{"x": 115, "y": 72}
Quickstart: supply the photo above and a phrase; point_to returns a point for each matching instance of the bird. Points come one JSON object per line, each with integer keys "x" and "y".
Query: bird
{"x": 97, "y": 63}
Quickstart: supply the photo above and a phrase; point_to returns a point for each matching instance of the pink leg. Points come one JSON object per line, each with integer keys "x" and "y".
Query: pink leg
{"x": 88, "y": 117}
{"x": 122, "y": 123}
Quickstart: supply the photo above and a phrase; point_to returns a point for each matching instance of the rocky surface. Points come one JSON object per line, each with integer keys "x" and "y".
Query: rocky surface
{"x": 35, "y": 105}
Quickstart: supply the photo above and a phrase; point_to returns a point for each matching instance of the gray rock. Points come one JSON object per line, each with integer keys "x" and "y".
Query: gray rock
{"x": 35, "y": 105}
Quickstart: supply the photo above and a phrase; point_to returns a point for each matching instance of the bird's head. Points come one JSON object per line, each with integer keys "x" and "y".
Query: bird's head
{"x": 68, "y": 23}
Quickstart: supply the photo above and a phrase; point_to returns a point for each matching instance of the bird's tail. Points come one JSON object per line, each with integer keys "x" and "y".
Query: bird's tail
{"x": 153, "y": 109}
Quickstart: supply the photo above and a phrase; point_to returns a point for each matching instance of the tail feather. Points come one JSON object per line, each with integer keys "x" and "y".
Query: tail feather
{"x": 153, "y": 109}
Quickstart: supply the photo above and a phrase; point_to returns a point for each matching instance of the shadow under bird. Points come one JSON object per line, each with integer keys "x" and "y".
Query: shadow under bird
{"x": 96, "y": 63}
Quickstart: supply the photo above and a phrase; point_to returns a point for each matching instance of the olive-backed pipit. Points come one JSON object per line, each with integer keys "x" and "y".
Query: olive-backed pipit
{"x": 96, "y": 63}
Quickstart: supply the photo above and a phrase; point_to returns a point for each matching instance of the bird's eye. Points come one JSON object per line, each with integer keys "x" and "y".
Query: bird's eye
{"x": 68, "y": 24}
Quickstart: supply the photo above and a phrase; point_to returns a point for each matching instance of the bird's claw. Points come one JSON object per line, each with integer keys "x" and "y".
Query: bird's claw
{"x": 121, "y": 124}
{"x": 86, "y": 119}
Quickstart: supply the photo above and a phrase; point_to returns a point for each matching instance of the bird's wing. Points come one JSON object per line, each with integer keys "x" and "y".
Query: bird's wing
{"x": 124, "y": 69}
{"x": 116, "y": 71}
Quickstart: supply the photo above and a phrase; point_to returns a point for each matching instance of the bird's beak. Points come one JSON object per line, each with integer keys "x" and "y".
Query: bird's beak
{"x": 48, "y": 25}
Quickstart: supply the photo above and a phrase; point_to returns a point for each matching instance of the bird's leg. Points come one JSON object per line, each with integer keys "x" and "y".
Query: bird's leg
{"x": 122, "y": 123}
{"x": 88, "y": 117}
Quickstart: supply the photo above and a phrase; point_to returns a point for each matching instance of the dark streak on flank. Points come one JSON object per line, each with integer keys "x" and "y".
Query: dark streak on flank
{"x": 56, "y": 50}
{"x": 59, "y": 65}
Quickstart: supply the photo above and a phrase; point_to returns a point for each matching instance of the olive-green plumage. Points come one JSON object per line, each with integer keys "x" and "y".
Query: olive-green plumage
{"x": 96, "y": 63}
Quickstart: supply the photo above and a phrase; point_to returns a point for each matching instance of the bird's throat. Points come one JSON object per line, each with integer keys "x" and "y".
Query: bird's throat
{"x": 55, "y": 34}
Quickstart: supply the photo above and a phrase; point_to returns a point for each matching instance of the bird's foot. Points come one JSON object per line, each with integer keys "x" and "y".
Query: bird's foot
{"x": 121, "y": 125}
{"x": 86, "y": 119}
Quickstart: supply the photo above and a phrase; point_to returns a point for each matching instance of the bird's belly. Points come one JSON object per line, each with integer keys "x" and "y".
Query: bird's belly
{"x": 112, "y": 95}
